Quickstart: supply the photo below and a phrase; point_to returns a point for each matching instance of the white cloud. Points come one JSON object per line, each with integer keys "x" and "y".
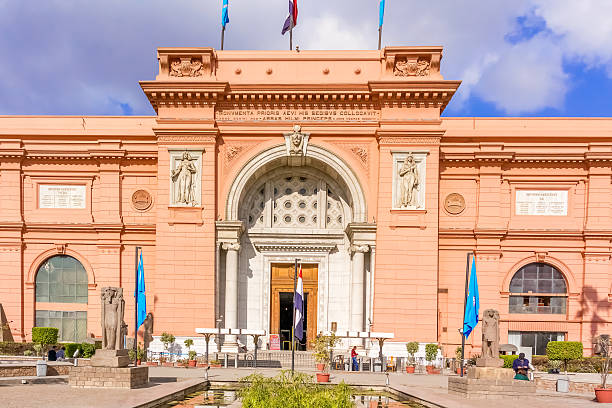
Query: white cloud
{"x": 330, "y": 33}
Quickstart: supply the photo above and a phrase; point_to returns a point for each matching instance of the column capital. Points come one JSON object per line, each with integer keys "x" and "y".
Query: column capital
{"x": 231, "y": 246}
{"x": 359, "y": 248}
{"x": 229, "y": 231}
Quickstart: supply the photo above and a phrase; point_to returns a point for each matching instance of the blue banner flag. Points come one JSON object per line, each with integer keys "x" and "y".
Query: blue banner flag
{"x": 225, "y": 13}
{"x": 140, "y": 294}
{"x": 381, "y": 13}
{"x": 472, "y": 303}
{"x": 298, "y": 305}
{"x": 291, "y": 20}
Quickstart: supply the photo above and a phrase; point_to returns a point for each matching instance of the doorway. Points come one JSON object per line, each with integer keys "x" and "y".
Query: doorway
{"x": 281, "y": 316}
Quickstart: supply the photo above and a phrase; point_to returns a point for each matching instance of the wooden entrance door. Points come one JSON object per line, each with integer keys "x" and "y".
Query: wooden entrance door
{"x": 282, "y": 283}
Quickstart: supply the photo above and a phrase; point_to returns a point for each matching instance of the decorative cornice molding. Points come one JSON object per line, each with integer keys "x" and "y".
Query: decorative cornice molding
{"x": 294, "y": 247}
{"x": 399, "y": 140}
{"x": 186, "y": 138}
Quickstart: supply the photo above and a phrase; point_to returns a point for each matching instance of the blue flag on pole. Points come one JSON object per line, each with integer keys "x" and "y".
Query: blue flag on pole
{"x": 140, "y": 293}
{"x": 472, "y": 303}
{"x": 381, "y": 13}
{"x": 225, "y": 13}
{"x": 298, "y": 305}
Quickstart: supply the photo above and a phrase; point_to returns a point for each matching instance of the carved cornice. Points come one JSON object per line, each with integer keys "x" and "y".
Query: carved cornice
{"x": 186, "y": 139}
{"x": 294, "y": 247}
{"x": 12, "y": 153}
{"x": 179, "y": 63}
{"x": 596, "y": 257}
{"x": 399, "y": 140}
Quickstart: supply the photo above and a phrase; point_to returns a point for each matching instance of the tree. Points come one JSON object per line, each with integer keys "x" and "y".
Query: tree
{"x": 44, "y": 336}
{"x": 431, "y": 351}
{"x": 412, "y": 348}
{"x": 564, "y": 351}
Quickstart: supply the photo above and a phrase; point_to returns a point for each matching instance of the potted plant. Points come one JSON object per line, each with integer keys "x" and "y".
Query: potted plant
{"x": 201, "y": 362}
{"x": 167, "y": 339}
{"x": 411, "y": 348}
{"x": 43, "y": 337}
{"x": 431, "y": 352}
{"x": 604, "y": 394}
{"x": 215, "y": 363}
{"x": 192, "y": 354}
{"x": 564, "y": 351}
{"x": 322, "y": 345}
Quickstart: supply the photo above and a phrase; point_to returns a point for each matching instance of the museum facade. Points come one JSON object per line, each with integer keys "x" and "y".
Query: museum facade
{"x": 339, "y": 159}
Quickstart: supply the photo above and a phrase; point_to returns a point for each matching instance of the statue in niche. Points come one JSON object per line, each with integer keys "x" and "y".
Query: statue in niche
{"x": 183, "y": 179}
{"x": 296, "y": 141}
{"x": 113, "y": 308}
{"x": 409, "y": 183}
{"x": 490, "y": 334}
{"x": 148, "y": 333}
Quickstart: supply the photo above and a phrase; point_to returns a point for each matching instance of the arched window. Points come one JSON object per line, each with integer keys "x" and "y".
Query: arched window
{"x": 62, "y": 279}
{"x": 538, "y": 288}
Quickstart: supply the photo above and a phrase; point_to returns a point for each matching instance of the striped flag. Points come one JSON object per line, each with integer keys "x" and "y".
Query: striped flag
{"x": 225, "y": 13}
{"x": 291, "y": 20}
{"x": 298, "y": 306}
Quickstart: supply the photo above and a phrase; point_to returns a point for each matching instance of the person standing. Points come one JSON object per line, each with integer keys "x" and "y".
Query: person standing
{"x": 354, "y": 358}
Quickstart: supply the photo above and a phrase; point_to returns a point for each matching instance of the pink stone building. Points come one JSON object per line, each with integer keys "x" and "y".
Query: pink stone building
{"x": 378, "y": 196}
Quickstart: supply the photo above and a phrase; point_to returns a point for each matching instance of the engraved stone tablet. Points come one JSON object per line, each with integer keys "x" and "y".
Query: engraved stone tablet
{"x": 541, "y": 202}
{"x": 61, "y": 196}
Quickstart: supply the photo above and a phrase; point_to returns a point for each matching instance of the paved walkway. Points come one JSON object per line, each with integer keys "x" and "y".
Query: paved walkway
{"x": 432, "y": 388}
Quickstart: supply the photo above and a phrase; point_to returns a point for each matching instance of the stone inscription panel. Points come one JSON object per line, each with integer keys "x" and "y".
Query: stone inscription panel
{"x": 541, "y": 202}
{"x": 240, "y": 114}
{"x": 61, "y": 196}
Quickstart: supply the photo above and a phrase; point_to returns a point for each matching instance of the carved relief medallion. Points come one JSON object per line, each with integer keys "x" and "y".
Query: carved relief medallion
{"x": 141, "y": 200}
{"x": 411, "y": 66}
{"x": 186, "y": 67}
{"x": 454, "y": 203}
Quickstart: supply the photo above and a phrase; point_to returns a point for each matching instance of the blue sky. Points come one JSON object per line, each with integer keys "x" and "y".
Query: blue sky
{"x": 515, "y": 58}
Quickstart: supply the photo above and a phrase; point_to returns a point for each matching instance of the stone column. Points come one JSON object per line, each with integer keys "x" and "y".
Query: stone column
{"x": 357, "y": 287}
{"x": 231, "y": 294}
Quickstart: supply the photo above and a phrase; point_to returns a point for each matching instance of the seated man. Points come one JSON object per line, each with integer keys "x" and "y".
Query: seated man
{"x": 51, "y": 356}
{"x": 520, "y": 363}
{"x": 521, "y": 374}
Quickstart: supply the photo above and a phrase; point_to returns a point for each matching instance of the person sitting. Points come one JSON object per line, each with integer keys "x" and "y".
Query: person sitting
{"x": 61, "y": 354}
{"x": 521, "y": 374}
{"x": 520, "y": 363}
{"x": 51, "y": 355}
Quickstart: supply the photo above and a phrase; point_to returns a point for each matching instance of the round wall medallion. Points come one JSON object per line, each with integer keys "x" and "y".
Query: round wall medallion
{"x": 454, "y": 203}
{"x": 141, "y": 200}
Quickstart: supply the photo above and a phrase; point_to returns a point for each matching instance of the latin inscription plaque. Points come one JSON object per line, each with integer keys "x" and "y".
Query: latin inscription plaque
{"x": 541, "y": 202}
{"x": 61, "y": 196}
{"x": 240, "y": 114}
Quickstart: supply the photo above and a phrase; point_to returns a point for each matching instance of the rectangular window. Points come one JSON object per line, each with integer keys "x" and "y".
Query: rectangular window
{"x": 72, "y": 325}
{"x": 536, "y": 340}
{"x": 538, "y": 304}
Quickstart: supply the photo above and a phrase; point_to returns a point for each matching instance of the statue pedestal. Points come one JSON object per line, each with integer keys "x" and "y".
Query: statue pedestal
{"x": 490, "y": 383}
{"x": 110, "y": 358}
{"x": 108, "y": 377}
{"x": 489, "y": 362}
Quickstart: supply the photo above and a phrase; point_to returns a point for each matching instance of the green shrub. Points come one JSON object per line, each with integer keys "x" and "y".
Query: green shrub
{"x": 44, "y": 336}
{"x": 508, "y": 360}
{"x": 28, "y": 353}
{"x": 564, "y": 351}
{"x": 11, "y": 348}
{"x": 88, "y": 350}
{"x": 431, "y": 351}
{"x": 71, "y": 348}
{"x": 292, "y": 391}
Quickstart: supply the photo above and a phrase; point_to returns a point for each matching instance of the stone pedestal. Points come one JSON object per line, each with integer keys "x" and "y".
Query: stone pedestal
{"x": 108, "y": 377}
{"x": 489, "y": 362}
{"x": 110, "y": 358}
{"x": 490, "y": 383}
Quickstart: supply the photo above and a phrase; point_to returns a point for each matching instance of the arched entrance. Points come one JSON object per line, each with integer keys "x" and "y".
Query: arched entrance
{"x": 281, "y": 212}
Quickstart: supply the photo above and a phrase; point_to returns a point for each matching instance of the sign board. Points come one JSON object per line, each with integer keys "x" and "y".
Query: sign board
{"x": 61, "y": 196}
{"x": 274, "y": 342}
{"x": 541, "y": 202}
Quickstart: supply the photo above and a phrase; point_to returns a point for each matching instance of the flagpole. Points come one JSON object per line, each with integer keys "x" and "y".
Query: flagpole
{"x": 379, "y": 36}
{"x": 467, "y": 274}
{"x": 136, "y": 304}
{"x": 290, "y": 49}
{"x": 222, "y": 36}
